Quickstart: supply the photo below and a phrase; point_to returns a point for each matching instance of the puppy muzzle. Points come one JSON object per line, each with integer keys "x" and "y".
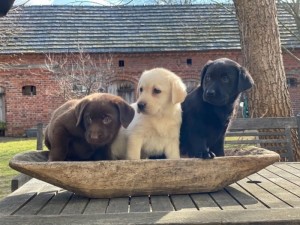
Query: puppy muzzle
{"x": 215, "y": 99}
{"x": 141, "y": 107}
{"x": 97, "y": 139}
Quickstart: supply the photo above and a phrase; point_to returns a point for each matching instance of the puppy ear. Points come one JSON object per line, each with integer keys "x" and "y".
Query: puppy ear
{"x": 245, "y": 80}
{"x": 79, "y": 108}
{"x": 126, "y": 113}
{"x": 178, "y": 91}
{"x": 203, "y": 71}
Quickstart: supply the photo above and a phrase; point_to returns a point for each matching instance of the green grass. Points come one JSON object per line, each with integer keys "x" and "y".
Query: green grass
{"x": 9, "y": 148}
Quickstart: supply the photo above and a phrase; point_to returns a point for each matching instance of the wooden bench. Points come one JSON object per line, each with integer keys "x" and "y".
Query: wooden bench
{"x": 271, "y": 133}
{"x": 19, "y": 180}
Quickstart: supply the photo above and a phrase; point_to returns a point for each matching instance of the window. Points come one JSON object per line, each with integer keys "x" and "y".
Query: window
{"x": 291, "y": 82}
{"x": 123, "y": 88}
{"x": 2, "y": 106}
{"x": 121, "y": 63}
{"x": 29, "y": 90}
{"x": 191, "y": 84}
{"x": 79, "y": 88}
{"x": 189, "y": 62}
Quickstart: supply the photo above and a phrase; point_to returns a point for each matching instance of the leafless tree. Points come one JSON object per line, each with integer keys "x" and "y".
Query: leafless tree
{"x": 80, "y": 74}
{"x": 261, "y": 49}
{"x": 293, "y": 8}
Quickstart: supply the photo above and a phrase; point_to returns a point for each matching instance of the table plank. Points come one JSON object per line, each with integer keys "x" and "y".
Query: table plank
{"x": 205, "y": 202}
{"x": 139, "y": 204}
{"x": 96, "y": 206}
{"x": 244, "y": 198}
{"x": 279, "y": 192}
{"x": 57, "y": 203}
{"x": 76, "y": 205}
{"x": 225, "y": 201}
{"x": 293, "y": 168}
{"x": 295, "y": 165}
{"x": 20, "y": 197}
{"x": 262, "y": 195}
{"x": 183, "y": 202}
{"x": 289, "y": 168}
{"x": 287, "y": 185}
{"x": 118, "y": 205}
{"x": 161, "y": 203}
{"x": 225, "y": 217}
{"x": 284, "y": 174}
{"x": 39, "y": 201}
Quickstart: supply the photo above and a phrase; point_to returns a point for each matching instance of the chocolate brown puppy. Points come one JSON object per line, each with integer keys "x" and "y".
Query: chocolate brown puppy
{"x": 83, "y": 129}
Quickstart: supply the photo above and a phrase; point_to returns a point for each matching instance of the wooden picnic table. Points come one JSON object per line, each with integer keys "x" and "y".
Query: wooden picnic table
{"x": 270, "y": 196}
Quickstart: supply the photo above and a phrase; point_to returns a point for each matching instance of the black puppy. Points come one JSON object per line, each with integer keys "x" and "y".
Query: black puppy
{"x": 208, "y": 109}
{"x": 5, "y": 6}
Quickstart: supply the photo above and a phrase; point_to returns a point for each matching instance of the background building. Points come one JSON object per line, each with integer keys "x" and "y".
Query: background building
{"x": 181, "y": 38}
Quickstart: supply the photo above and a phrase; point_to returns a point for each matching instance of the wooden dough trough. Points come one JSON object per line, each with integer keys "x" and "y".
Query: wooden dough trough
{"x": 106, "y": 179}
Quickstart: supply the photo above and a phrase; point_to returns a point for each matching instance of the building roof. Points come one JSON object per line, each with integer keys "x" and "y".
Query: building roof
{"x": 151, "y": 28}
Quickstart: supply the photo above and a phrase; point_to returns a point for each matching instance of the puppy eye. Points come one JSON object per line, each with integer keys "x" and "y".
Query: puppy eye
{"x": 156, "y": 91}
{"x": 207, "y": 78}
{"x": 141, "y": 89}
{"x": 225, "y": 79}
{"x": 88, "y": 119}
{"x": 106, "y": 120}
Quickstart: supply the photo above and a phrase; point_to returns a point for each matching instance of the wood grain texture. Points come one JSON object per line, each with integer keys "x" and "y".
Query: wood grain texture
{"x": 270, "y": 196}
{"x": 106, "y": 179}
{"x": 20, "y": 197}
{"x": 161, "y": 203}
{"x": 259, "y": 217}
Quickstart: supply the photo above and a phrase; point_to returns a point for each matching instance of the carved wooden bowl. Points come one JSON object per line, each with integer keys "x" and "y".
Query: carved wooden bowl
{"x": 105, "y": 179}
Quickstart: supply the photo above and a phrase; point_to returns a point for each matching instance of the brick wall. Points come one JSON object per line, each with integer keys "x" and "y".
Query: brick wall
{"x": 23, "y": 112}
{"x": 292, "y": 69}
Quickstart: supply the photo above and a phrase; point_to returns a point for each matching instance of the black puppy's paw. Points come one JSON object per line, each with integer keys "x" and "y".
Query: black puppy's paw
{"x": 204, "y": 154}
{"x": 208, "y": 155}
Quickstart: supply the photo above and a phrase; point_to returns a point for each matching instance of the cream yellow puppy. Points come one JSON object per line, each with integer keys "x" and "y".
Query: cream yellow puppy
{"x": 156, "y": 125}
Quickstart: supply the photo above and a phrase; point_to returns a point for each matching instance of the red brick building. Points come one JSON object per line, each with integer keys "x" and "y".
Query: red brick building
{"x": 179, "y": 38}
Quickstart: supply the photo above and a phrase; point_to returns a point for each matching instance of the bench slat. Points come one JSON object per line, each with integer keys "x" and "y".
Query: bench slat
{"x": 249, "y": 127}
{"x": 263, "y": 123}
{"x": 246, "y": 133}
{"x": 257, "y": 141}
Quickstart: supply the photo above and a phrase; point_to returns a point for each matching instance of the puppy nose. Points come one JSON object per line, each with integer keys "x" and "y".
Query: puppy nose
{"x": 210, "y": 93}
{"x": 95, "y": 136}
{"x": 141, "y": 106}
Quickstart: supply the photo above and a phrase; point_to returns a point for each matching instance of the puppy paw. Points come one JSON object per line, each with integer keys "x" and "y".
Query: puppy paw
{"x": 208, "y": 155}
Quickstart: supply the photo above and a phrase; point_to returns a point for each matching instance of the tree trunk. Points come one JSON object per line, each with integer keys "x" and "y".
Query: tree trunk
{"x": 261, "y": 48}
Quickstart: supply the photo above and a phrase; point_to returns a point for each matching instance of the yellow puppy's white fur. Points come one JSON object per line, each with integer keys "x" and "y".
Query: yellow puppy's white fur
{"x": 155, "y": 129}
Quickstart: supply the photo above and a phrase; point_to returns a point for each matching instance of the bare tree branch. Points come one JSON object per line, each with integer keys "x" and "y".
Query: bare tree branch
{"x": 293, "y": 8}
{"x": 291, "y": 54}
{"x": 80, "y": 74}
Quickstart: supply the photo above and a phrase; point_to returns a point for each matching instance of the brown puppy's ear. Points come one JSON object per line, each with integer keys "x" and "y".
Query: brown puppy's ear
{"x": 126, "y": 113}
{"x": 203, "y": 71}
{"x": 79, "y": 108}
{"x": 245, "y": 80}
{"x": 178, "y": 91}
